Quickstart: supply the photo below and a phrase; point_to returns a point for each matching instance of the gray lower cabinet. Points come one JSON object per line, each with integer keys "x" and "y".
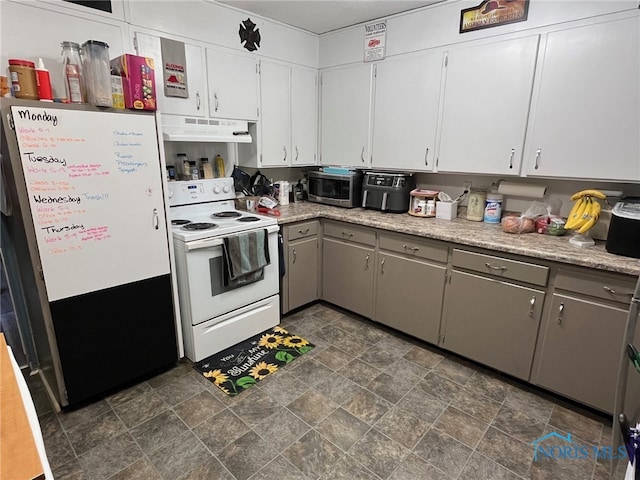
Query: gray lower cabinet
{"x": 410, "y": 285}
{"x": 581, "y": 338}
{"x": 301, "y": 280}
{"x": 490, "y": 319}
{"x": 348, "y": 267}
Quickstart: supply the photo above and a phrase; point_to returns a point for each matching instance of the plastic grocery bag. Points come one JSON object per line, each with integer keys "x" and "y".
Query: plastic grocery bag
{"x": 525, "y": 223}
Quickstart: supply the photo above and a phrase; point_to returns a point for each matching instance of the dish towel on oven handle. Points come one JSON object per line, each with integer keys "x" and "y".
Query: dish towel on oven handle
{"x": 245, "y": 256}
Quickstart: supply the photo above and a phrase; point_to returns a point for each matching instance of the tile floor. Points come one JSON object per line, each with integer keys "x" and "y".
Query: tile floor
{"x": 366, "y": 403}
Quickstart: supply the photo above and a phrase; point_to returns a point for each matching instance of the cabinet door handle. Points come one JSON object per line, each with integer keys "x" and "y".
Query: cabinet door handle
{"x": 513, "y": 152}
{"x": 382, "y": 267}
{"x": 297, "y": 153}
{"x": 494, "y": 267}
{"x": 426, "y": 154}
{"x": 285, "y": 154}
{"x": 156, "y": 219}
{"x": 303, "y": 232}
{"x": 347, "y": 234}
{"x": 532, "y": 304}
{"x": 362, "y": 155}
{"x": 407, "y": 247}
{"x": 560, "y": 313}
{"x": 294, "y": 256}
{"x": 537, "y": 162}
{"x": 215, "y": 102}
{"x": 614, "y": 292}
{"x": 197, "y": 100}
{"x": 366, "y": 262}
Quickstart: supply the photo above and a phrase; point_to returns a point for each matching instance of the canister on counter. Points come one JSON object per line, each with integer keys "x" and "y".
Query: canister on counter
{"x": 475, "y": 205}
{"x": 493, "y": 208}
{"x": 23, "y": 79}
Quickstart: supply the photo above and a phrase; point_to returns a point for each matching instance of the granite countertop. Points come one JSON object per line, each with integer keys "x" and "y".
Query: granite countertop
{"x": 465, "y": 232}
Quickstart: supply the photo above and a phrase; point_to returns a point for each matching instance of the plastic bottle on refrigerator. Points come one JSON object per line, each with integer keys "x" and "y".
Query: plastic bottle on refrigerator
{"x": 72, "y": 72}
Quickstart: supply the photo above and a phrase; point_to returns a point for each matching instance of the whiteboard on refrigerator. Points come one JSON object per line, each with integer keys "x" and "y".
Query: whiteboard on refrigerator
{"x": 94, "y": 184}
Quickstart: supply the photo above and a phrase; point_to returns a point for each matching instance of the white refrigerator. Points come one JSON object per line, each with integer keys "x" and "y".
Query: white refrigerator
{"x": 85, "y": 213}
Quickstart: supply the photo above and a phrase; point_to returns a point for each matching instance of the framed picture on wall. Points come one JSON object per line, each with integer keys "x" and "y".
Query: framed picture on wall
{"x": 493, "y": 13}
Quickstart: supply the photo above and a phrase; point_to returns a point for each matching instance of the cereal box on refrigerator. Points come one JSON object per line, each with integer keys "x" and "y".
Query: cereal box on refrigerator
{"x": 138, "y": 81}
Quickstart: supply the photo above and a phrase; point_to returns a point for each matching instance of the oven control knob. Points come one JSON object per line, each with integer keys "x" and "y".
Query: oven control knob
{"x": 216, "y": 189}
{"x": 226, "y": 189}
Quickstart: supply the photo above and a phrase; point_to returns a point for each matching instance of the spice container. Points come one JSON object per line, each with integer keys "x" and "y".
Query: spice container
{"x": 475, "y": 205}
{"x": 72, "y": 72}
{"x": 193, "y": 170}
{"x": 183, "y": 166}
{"x": 23, "y": 79}
{"x": 207, "y": 168}
{"x": 97, "y": 73}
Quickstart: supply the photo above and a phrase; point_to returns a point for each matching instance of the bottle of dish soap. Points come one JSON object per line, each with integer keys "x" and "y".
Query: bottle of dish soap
{"x": 219, "y": 166}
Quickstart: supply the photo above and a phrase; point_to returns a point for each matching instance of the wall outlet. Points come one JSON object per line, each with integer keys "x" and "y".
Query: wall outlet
{"x": 467, "y": 185}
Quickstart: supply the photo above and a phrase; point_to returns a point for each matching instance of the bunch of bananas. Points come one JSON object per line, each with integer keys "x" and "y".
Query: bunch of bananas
{"x": 585, "y": 211}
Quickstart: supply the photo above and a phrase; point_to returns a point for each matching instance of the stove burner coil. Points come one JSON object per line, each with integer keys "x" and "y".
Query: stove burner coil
{"x": 199, "y": 226}
{"x": 227, "y": 214}
{"x": 248, "y": 219}
{"x": 180, "y": 221}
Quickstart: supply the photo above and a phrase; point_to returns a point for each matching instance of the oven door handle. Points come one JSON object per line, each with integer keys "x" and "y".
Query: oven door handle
{"x": 216, "y": 242}
{"x": 206, "y": 243}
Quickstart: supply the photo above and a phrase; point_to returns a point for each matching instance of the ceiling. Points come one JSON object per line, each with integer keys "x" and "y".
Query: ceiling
{"x": 322, "y": 16}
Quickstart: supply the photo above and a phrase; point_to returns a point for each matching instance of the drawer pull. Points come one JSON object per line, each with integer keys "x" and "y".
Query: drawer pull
{"x": 347, "y": 234}
{"x": 613, "y": 292}
{"x": 493, "y": 267}
{"x": 413, "y": 249}
{"x": 303, "y": 232}
{"x": 532, "y": 304}
{"x": 366, "y": 262}
{"x": 382, "y": 267}
{"x": 294, "y": 255}
{"x": 560, "y": 313}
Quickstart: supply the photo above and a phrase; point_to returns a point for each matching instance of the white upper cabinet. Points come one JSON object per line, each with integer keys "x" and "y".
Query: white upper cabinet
{"x": 275, "y": 114}
{"x": 345, "y": 126}
{"x": 288, "y": 98}
{"x": 195, "y": 104}
{"x": 585, "y": 117}
{"x": 406, "y": 112}
{"x": 486, "y": 103}
{"x": 233, "y": 85}
{"x": 304, "y": 116}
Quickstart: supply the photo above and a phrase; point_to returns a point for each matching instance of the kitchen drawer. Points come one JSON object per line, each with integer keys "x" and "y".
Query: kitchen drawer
{"x": 414, "y": 246}
{"x": 618, "y": 288}
{"x": 302, "y": 230}
{"x": 501, "y": 267}
{"x": 349, "y": 232}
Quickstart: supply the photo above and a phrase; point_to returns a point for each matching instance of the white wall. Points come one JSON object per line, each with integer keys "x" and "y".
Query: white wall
{"x": 212, "y": 23}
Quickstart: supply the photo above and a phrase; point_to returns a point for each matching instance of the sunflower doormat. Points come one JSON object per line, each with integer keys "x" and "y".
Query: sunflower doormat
{"x": 237, "y": 368}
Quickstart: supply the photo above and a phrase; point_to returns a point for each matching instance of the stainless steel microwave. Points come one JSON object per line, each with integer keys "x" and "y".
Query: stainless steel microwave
{"x": 341, "y": 190}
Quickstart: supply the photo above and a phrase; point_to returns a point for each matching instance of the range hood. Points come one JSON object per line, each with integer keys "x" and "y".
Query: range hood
{"x": 194, "y": 129}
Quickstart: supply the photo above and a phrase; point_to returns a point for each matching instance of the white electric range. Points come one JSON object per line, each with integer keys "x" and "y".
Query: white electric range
{"x": 214, "y": 315}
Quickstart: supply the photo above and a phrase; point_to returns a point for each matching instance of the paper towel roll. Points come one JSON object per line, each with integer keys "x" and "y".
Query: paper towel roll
{"x": 522, "y": 190}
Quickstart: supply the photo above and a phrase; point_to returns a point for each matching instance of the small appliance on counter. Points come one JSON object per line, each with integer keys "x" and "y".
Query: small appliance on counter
{"x": 336, "y": 186}
{"x": 388, "y": 192}
{"x": 623, "y": 237}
